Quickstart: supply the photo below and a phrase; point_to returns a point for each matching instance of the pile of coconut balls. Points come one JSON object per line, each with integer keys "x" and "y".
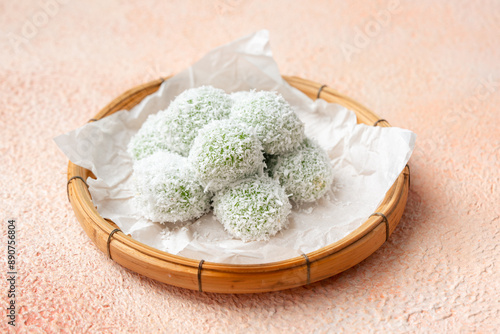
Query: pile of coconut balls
{"x": 244, "y": 154}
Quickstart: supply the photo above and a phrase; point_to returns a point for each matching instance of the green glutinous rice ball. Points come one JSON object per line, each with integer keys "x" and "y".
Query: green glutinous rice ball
{"x": 166, "y": 190}
{"x": 277, "y": 126}
{"x": 176, "y": 127}
{"x": 253, "y": 209}
{"x": 225, "y": 151}
{"x": 306, "y": 174}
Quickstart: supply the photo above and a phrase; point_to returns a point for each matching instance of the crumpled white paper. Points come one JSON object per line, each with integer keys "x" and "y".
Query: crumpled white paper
{"x": 367, "y": 160}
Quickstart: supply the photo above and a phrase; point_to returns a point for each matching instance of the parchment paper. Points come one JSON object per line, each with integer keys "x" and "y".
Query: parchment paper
{"x": 367, "y": 160}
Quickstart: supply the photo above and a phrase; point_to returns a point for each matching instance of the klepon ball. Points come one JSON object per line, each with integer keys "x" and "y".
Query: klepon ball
{"x": 149, "y": 139}
{"x": 306, "y": 174}
{"x": 166, "y": 190}
{"x": 176, "y": 127}
{"x": 253, "y": 209}
{"x": 225, "y": 151}
{"x": 276, "y": 124}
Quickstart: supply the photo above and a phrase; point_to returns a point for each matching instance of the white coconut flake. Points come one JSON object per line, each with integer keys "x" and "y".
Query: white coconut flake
{"x": 306, "y": 173}
{"x": 176, "y": 127}
{"x": 277, "y": 126}
{"x": 166, "y": 190}
{"x": 224, "y": 152}
{"x": 253, "y": 209}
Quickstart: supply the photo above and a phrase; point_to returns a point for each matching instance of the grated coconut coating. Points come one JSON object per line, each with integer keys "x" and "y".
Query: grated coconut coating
{"x": 176, "y": 127}
{"x": 306, "y": 174}
{"x": 236, "y": 96}
{"x": 277, "y": 126}
{"x": 166, "y": 190}
{"x": 225, "y": 151}
{"x": 253, "y": 209}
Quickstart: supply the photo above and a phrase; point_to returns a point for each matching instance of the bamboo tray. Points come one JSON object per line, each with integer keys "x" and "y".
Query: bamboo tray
{"x": 229, "y": 278}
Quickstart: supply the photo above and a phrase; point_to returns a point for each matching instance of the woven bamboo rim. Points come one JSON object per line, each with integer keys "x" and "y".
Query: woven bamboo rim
{"x": 227, "y": 278}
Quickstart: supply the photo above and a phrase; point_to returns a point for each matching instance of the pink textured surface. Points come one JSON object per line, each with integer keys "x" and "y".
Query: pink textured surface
{"x": 431, "y": 67}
